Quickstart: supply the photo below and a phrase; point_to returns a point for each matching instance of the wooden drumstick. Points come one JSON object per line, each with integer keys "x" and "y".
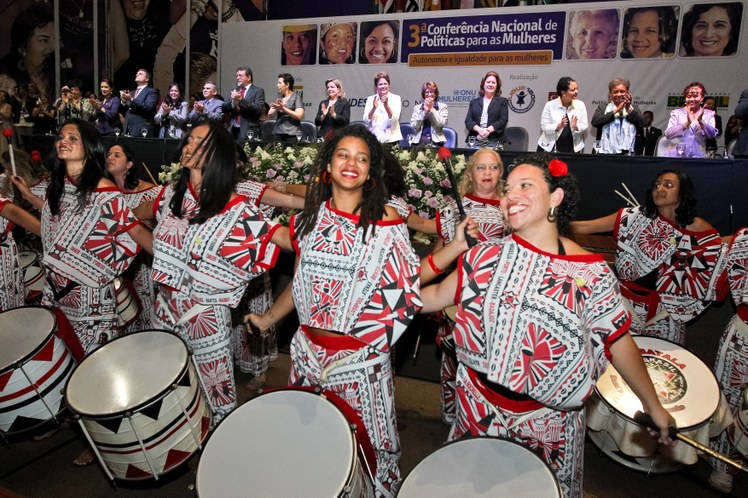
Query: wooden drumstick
{"x": 646, "y": 420}
{"x": 149, "y": 173}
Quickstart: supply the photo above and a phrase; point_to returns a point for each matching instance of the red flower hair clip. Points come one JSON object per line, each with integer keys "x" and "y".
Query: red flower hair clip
{"x": 558, "y": 168}
{"x": 7, "y": 133}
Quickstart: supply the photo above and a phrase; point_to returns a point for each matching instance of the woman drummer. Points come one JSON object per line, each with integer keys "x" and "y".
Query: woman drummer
{"x": 667, "y": 258}
{"x": 732, "y": 357}
{"x": 355, "y": 289}
{"x": 121, "y": 166}
{"x": 12, "y": 291}
{"x": 538, "y": 319}
{"x": 208, "y": 244}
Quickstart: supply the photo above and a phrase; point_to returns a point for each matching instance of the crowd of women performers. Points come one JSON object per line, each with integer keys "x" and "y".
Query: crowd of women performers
{"x": 523, "y": 287}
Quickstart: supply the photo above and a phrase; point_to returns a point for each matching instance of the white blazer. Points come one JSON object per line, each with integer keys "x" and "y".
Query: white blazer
{"x": 386, "y": 129}
{"x": 553, "y": 113}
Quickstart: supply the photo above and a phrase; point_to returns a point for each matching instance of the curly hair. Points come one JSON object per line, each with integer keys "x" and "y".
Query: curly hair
{"x": 218, "y": 153}
{"x": 93, "y": 167}
{"x": 567, "y": 210}
{"x": 372, "y": 206}
{"x": 131, "y": 178}
{"x": 686, "y": 210}
{"x": 734, "y": 13}
{"x": 466, "y": 182}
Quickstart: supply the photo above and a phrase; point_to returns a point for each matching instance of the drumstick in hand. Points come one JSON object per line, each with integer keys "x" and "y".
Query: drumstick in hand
{"x": 445, "y": 155}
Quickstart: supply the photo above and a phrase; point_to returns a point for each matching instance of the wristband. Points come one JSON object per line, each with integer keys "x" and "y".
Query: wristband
{"x": 434, "y": 268}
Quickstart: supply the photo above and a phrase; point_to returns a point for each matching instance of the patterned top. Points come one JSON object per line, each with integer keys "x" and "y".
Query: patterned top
{"x": 688, "y": 264}
{"x": 254, "y": 191}
{"x": 212, "y": 261}
{"x": 369, "y": 289}
{"x": 401, "y": 206}
{"x": 89, "y": 245}
{"x": 737, "y": 267}
{"x": 539, "y": 324}
{"x": 144, "y": 192}
{"x": 5, "y": 225}
{"x": 486, "y": 213}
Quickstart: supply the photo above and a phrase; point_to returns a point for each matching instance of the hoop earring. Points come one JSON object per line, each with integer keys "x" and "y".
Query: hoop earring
{"x": 373, "y": 185}
{"x": 552, "y": 215}
{"x": 326, "y": 177}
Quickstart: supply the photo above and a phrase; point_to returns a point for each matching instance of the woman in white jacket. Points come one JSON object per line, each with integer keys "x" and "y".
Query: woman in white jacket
{"x": 564, "y": 120}
{"x": 382, "y": 111}
{"x": 430, "y": 117}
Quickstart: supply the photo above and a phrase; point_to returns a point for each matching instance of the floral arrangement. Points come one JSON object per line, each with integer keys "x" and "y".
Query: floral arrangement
{"x": 169, "y": 173}
{"x": 279, "y": 164}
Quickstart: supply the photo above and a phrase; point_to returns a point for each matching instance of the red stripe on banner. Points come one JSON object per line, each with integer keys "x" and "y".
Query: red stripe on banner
{"x": 38, "y": 383}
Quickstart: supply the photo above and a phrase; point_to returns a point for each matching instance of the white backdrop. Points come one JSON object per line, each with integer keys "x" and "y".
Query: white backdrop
{"x": 258, "y": 44}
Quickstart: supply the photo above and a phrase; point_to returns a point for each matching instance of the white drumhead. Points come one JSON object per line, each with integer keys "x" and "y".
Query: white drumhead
{"x": 22, "y": 330}
{"x": 686, "y": 387}
{"x": 126, "y": 372}
{"x": 283, "y": 443}
{"x": 26, "y": 258}
{"x": 480, "y": 467}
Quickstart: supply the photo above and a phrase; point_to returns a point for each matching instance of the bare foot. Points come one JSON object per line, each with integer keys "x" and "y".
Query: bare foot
{"x": 84, "y": 458}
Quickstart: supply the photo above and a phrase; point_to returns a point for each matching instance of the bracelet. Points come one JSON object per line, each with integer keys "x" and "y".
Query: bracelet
{"x": 434, "y": 268}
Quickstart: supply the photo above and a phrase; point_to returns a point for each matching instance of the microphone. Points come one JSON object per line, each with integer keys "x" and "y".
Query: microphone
{"x": 445, "y": 155}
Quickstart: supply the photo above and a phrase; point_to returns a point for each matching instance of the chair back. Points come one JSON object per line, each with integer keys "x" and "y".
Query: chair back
{"x": 308, "y": 131}
{"x": 406, "y": 130}
{"x": 451, "y": 135}
{"x": 266, "y": 129}
{"x": 516, "y": 139}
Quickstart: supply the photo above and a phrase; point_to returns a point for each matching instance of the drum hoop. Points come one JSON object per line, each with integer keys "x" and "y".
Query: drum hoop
{"x": 136, "y": 408}
{"x": 682, "y": 428}
{"x": 38, "y": 348}
{"x": 310, "y": 390}
{"x": 470, "y": 437}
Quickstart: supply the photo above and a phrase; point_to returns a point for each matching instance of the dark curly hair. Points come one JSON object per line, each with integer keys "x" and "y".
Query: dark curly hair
{"x": 218, "y": 152}
{"x": 686, "y": 210}
{"x": 734, "y": 13}
{"x": 93, "y": 167}
{"x": 394, "y": 176}
{"x": 567, "y": 210}
{"x": 372, "y": 206}
{"x": 131, "y": 178}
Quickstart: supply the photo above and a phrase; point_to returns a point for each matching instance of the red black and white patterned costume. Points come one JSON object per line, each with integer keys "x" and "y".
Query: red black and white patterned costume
{"x": 141, "y": 276}
{"x": 731, "y": 365}
{"x": 491, "y": 226}
{"x": 401, "y": 206}
{"x": 369, "y": 291}
{"x": 254, "y": 352}
{"x": 85, "y": 249}
{"x": 12, "y": 291}
{"x": 538, "y": 325}
{"x": 203, "y": 270}
{"x": 668, "y": 274}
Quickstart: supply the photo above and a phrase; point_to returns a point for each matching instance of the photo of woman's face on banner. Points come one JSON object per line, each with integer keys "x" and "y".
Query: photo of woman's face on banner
{"x": 592, "y": 34}
{"x": 298, "y": 47}
{"x": 711, "y": 30}
{"x": 378, "y": 42}
{"x": 337, "y": 43}
{"x": 649, "y": 32}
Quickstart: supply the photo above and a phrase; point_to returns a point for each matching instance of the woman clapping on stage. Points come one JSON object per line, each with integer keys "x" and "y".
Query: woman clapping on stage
{"x": 538, "y": 319}
{"x": 668, "y": 259}
{"x": 355, "y": 289}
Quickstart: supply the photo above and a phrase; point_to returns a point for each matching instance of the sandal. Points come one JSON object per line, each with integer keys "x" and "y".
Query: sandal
{"x": 84, "y": 459}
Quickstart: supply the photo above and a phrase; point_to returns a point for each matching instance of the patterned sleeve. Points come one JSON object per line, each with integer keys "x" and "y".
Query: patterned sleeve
{"x": 161, "y": 199}
{"x": 737, "y": 267}
{"x": 3, "y": 202}
{"x": 446, "y": 222}
{"x": 605, "y": 318}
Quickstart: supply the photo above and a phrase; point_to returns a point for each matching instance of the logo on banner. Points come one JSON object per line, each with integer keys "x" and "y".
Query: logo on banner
{"x": 521, "y": 99}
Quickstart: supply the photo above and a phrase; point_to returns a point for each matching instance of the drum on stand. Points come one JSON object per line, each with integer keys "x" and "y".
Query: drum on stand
{"x": 33, "y": 274}
{"x": 128, "y": 305}
{"x": 139, "y": 402}
{"x": 687, "y": 389}
{"x": 481, "y": 467}
{"x": 738, "y": 432}
{"x": 34, "y": 366}
{"x": 287, "y": 442}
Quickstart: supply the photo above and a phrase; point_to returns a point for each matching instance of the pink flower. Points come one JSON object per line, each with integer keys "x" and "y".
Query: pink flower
{"x": 270, "y": 173}
{"x": 428, "y": 181}
{"x": 428, "y": 194}
{"x": 415, "y": 193}
{"x": 445, "y": 183}
{"x": 432, "y": 203}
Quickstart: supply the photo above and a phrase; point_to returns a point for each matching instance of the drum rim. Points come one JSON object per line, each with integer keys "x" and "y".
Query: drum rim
{"x": 468, "y": 438}
{"x": 139, "y": 406}
{"x": 310, "y": 390}
{"x": 39, "y": 347}
{"x": 682, "y": 428}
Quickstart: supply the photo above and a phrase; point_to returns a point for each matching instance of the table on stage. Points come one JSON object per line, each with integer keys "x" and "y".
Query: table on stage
{"x": 721, "y": 184}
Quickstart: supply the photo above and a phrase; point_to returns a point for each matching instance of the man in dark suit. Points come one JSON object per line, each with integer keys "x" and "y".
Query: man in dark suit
{"x": 244, "y": 106}
{"x": 741, "y": 111}
{"x": 647, "y": 145}
{"x": 141, "y": 106}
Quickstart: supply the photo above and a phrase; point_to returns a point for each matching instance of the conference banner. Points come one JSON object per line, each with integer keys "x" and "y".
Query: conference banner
{"x": 660, "y": 46}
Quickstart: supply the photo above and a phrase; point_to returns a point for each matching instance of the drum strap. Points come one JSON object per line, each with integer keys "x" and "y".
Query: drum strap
{"x": 64, "y": 291}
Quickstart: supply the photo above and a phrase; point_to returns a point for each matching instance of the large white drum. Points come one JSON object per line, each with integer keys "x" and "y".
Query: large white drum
{"x": 686, "y": 388}
{"x": 287, "y": 442}
{"x": 481, "y": 467}
{"x": 34, "y": 366}
{"x": 140, "y": 404}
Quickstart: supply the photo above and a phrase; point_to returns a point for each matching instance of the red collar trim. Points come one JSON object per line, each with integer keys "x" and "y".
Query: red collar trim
{"x": 492, "y": 202}
{"x": 233, "y": 202}
{"x": 582, "y": 258}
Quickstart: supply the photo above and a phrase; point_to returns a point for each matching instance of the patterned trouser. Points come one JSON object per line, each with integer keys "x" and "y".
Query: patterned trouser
{"x": 363, "y": 378}
{"x": 557, "y": 437}
{"x": 731, "y": 370}
{"x": 208, "y": 336}
{"x": 254, "y": 352}
{"x": 144, "y": 288}
{"x": 448, "y": 372}
{"x": 663, "y": 328}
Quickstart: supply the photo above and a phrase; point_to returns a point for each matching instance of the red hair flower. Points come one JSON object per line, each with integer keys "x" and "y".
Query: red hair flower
{"x": 7, "y": 133}
{"x": 558, "y": 168}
